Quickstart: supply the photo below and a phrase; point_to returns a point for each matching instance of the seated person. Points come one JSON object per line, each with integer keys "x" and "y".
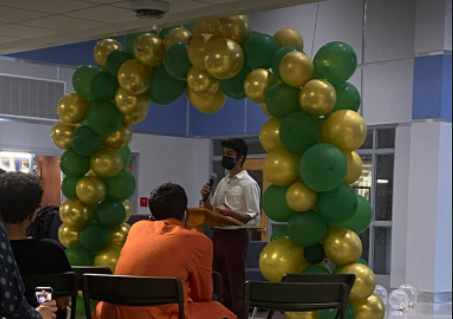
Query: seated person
{"x": 20, "y": 197}
{"x": 164, "y": 247}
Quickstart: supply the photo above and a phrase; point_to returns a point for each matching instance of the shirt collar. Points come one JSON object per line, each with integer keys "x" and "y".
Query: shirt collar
{"x": 173, "y": 221}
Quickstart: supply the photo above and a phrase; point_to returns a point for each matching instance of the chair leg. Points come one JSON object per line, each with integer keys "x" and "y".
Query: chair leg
{"x": 270, "y": 315}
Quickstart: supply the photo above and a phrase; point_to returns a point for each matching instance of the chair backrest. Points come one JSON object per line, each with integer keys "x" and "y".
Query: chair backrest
{"x": 133, "y": 291}
{"x": 64, "y": 285}
{"x": 217, "y": 281}
{"x": 80, "y": 271}
{"x": 346, "y": 279}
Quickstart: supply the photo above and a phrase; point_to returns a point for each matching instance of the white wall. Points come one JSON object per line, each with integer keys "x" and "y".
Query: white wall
{"x": 448, "y": 26}
{"x": 430, "y": 26}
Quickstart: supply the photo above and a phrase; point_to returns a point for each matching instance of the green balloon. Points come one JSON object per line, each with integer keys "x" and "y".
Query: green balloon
{"x": 336, "y": 62}
{"x": 177, "y": 61}
{"x": 283, "y": 100}
{"x": 337, "y": 270}
{"x": 275, "y": 205}
{"x": 73, "y": 164}
{"x": 80, "y": 308}
{"x": 278, "y": 57}
{"x": 339, "y": 205}
{"x": 316, "y": 270}
{"x": 94, "y": 238}
{"x": 323, "y": 167}
{"x": 259, "y": 50}
{"x": 104, "y": 118}
{"x": 79, "y": 256}
{"x": 348, "y": 98}
{"x": 115, "y": 60}
{"x": 110, "y": 214}
{"x": 332, "y": 313}
{"x": 130, "y": 41}
{"x": 164, "y": 88}
{"x": 307, "y": 229}
{"x": 69, "y": 185}
{"x": 300, "y": 131}
{"x": 281, "y": 232}
{"x": 126, "y": 154}
{"x": 82, "y": 80}
{"x": 103, "y": 86}
{"x": 120, "y": 187}
{"x": 315, "y": 254}
{"x": 234, "y": 87}
{"x": 85, "y": 141}
{"x": 362, "y": 218}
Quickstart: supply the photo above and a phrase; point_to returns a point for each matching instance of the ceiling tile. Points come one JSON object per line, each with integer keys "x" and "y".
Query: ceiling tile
{"x": 62, "y": 23}
{"x": 24, "y": 32}
{"x": 104, "y": 14}
{"x": 4, "y": 39}
{"x": 13, "y": 15}
{"x": 187, "y": 5}
{"x": 47, "y": 6}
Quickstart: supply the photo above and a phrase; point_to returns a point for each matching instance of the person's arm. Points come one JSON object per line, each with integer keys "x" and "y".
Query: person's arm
{"x": 252, "y": 200}
{"x": 210, "y": 203}
{"x": 201, "y": 284}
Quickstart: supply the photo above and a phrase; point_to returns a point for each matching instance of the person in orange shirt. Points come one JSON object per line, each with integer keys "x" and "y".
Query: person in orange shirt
{"x": 164, "y": 247}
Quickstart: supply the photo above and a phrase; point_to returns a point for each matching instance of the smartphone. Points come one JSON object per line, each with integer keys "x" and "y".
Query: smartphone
{"x": 44, "y": 294}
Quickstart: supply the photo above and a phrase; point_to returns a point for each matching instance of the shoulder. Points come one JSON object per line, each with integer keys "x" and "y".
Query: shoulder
{"x": 248, "y": 180}
{"x": 198, "y": 239}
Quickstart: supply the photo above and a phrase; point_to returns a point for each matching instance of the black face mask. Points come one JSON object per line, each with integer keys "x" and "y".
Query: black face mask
{"x": 228, "y": 163}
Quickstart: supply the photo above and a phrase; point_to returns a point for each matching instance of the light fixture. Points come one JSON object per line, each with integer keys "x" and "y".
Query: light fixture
{"x": 15, "y": 155}
{"x": 383, "y": 181}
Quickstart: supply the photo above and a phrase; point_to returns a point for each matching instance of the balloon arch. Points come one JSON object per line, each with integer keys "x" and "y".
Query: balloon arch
{"x": 311, "y": 137}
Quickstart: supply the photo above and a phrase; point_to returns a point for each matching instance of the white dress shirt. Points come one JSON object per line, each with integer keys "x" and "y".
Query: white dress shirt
{"x": 242, "y": 194}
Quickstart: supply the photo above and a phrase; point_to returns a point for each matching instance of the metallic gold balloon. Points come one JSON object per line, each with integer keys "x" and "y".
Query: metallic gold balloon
{"x": 62, "y": 134}
{"x": 297, "y": 69}
{"x": 236, "y": 28}
{"x": 345, "y": 129}
{"x": 289, "y": 37}
{"x": 138, "y": 117}
{"x": 200, "y": 28}
{"x": 207, "y": 103}
{"x": 257, "y": 83}
{"x": 281, "y": 257}
{"x": 318, "y": 97}
{"x": 76, "y": 214}
{"x": 197, "y": 50}
{"x": 91, "y": 190}
{"x": 224, "y": 58}
{"x": 201, "y": 82}
{"x": 371, "y": 308}
{"x": 108, "y": 258}
{"x": 302, "y": 315}
{"x": 177, "y": 35}
{"x": 118, "y": 235}
{"x": 265, "y": 110}
{"x": 73, "y": 108}
{"x": 135, "y": 77}
{"x": 129, "y": 103}
{"x": 281, "y": 167}
{"x": 107, "y": 162}
{"x": 342, "y": 246}
{"x": 128, "y": 206}
{"x": 300, "y": 197}
{"x": 150, "y": 50}
{"x": 270, "y": 135}
{"x": 365, "y": 282}
{"x": 68, "y": 236}
{"x": 120, "y": 138}
{"x": 103, "y": 49}
{"x": 213, "y": 26}
{"x": 355, "y": 167}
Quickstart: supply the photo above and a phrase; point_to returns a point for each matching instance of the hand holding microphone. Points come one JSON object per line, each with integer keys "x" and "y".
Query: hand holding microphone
{"x": 207, "y": 189}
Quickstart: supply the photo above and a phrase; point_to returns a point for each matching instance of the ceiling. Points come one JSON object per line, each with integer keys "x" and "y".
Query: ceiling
{"x": 33, "y": 24}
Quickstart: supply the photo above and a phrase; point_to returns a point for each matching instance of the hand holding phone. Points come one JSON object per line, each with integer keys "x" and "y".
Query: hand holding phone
{"x": 44, "y": 294}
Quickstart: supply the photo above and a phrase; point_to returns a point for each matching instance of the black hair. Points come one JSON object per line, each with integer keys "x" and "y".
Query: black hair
{"x": 20, "y": 196}
{"x": 168, "y": 201}
{"x": 239, "y": 145}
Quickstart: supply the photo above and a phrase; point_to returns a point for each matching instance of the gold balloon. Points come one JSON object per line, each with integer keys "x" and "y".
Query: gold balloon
{"x": 136, "y": 118}
{"x": 68, "y": 236}
{"x": 213, "y": 26}
{"x": 300, "y": 197}
{"x": 197, "y": 50}
{"x": 282, "y": 257}
{"x": 103, "y": 49}
{"x": 62, "y": 134}
{"x": 355, "y": 167}
{"x": 318, "y": 97}
{"x": 120, "y": 138}
{"x": 200, "y": 28}
{"x": 224, "y": 58}
{"x": 76, "y": 214}
{"x": 107, "y": 162}
{"x": 371, "y": 308}
{"x": 289, "y": 37}
{"x": 270, "y": 135}
{"x": 118, "y": 235}
{"x": 297, "y": 69}
{"x": 90, "y": 190}
{"x": 135, "y": 77}
{"x": 207, "y": 103}
{"x": 345, "y": 129}
{"x": 236, "y": 28}
{"x": 73, "y": 108}
{"x": 265, "y": 110}
{"x": 302, "y": 315}
{"x": 365, "y": 282}
{"x": 128, "y": 206}
{"x": 258, "y": 83}
{"x": 177, "y": 35}
{"x": 342, "y": 246}
{"x": 108, "y": 258}
{"x": 150, "y": 50}
{"x": 201, "y": 82}
{"x": 129, "y": 103}
{"x": 281, "y": 167}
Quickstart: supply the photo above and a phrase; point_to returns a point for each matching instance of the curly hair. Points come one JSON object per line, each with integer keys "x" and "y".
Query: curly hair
{"x": 168, "y": 201}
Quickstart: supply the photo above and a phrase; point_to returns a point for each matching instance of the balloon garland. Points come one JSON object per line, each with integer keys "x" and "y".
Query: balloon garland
{"x": 312, "y": 136}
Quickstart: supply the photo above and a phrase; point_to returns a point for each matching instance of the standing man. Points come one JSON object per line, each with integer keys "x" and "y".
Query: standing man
{"x": 237, "y": 196}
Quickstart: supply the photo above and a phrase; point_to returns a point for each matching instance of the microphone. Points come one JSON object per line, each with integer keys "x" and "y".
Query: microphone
{"x": 212, "y": 181}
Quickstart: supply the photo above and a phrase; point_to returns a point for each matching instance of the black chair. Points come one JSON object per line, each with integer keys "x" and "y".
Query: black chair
{"x": 80, "y": 271}
{"x": 217, "y": 281}
{"x": 133, "y": 291}
{"x": 64, "y": 285}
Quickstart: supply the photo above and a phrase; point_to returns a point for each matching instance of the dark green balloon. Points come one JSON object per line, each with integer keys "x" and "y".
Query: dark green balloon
{"x": 283, "y": 100}
{"x": 307, "y": 229}
{"x": 94, "y": 238}
{"x": 234, "y": 87}
{"x": 130, "y": 41}
{"x": 69, "y": 185}
{"x": 110, "y": 214}
{"x": 339, "y": 205}
{"x": 332, "y": 313}
{"x": 79, "y": 256}
{"x": 348, "y": 98}
{"x": 120, "y": 187}
{"x": 278, "y": 57}
{"x": 300, "y": 131}
{"x": 315, "y": 270}
{"x": 82, "y": 80}
{"x": 315, "y": 254}
{"x": 323, "y": 167}
{"x": 336, "y": 62}
{"x": 164, "y": 88}
{"x": 126, "y": 154}
{"x": 115, "y": 60}
{"x": 104, "y": 118}
{"x": 103, "y": 86}
{"x": 275, "y": 205}
{"x": 362, "y": 218}
{"x": 259, "y": 50}
{"x": 281, "y": 232}
{"x": 85, "y": 141}
{"x": 73, "y": 164}
{"x": 80, "y": 308}
{"x": 177, "y": 61}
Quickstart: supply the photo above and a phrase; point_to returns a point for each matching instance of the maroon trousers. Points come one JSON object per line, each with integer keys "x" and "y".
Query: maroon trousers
{"x": 230, "y": 253}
